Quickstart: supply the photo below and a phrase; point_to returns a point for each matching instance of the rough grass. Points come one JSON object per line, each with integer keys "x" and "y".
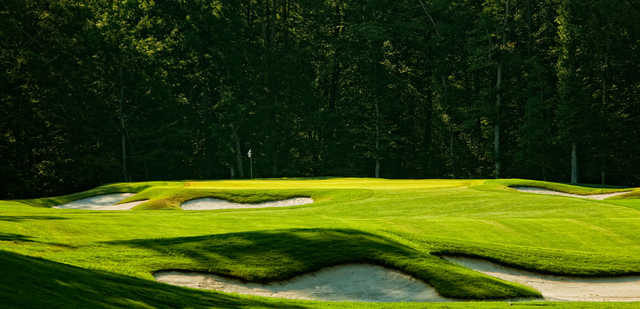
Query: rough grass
{"x": 173, "y": 197}
{"x": 403, "y": 224}
{"x": 106, "y": 189}
{"x": 561, "y": 187}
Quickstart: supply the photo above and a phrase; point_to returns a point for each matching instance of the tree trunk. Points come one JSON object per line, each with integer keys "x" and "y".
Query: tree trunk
{"x": 603, "y": 155}
{"x": 603, "y": 115}
{"x": 377, "y": 140}
{"x": 330, "y": 133}
{"x": 271, "y": 28}
{"x": 238, "y": 150}
{"x": 274, "y": 165}
{"x": 123, "y": 130}
{"x": 123, "y": 141}
{"x": 427, "y": 138}
{"x": 574, "y": 164}
{"x": 496, "y": 128}
{"x": 335, "y": 74}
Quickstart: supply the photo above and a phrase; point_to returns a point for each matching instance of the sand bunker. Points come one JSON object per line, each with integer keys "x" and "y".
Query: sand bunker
{"x": 102, "y": 202}
{"x": 351, "y": 282}
{"x": 213, "y": 203}
{"x": 551, "y": 192}
{"x": 563, "y": 288}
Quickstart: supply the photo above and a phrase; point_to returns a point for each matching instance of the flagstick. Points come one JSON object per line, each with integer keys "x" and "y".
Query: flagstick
{"x": 250, "y": 164}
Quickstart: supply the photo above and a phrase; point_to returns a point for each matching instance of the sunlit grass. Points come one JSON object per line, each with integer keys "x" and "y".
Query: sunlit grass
{"x": 402, "y": 224}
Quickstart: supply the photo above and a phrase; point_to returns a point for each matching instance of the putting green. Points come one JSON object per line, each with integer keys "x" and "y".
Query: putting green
{"x": 399, "y": 224}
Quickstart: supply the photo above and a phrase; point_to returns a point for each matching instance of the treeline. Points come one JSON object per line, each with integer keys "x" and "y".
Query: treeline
{"x": 102, "y": 91}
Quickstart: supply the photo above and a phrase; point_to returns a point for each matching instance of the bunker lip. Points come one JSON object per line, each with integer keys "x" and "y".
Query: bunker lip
{"x": 559, "y": 288}
{"x": 209, "y": 203}
{"x": 102, "y": 202}
{"x": 347, "y": 282}
{"x": 538, "y": 190}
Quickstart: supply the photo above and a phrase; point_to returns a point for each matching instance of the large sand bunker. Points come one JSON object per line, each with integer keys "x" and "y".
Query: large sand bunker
{"x": 537, "y": 190}
{"x": 102, "y": 202}
{"x": 351, "y": 282}
{"x": 214, "y": 203}
{"x": 563, "y": 288}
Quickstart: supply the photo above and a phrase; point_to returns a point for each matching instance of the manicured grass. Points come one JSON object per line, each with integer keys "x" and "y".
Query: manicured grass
{"x": 37, "y": 283}
{"x": 561, "y": 187}
{"x": 402, "y": 224}
{"x": 106, "y": 189}
{"x": 173, "y": 197}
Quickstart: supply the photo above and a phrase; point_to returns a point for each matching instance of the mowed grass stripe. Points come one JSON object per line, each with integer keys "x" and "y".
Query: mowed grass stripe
{"x": 471, "y": 217}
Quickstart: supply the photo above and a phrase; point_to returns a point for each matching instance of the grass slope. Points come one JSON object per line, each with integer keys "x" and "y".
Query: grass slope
{"x": 106, "y": 189}
{"x": 403, "y": 224}
{"x": 64, "y": 286}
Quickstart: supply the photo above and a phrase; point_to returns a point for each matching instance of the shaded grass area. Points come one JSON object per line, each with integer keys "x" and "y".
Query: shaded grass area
{"x": 29, "y": 282}
{"x": 25, "y": 218}
{"x": 20, "y": 239}
{"x": 267, "y": 256}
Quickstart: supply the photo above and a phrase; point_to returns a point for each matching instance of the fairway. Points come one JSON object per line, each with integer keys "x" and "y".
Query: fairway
{"x": 66, "y": 256}
{"x": 299, "y": 154}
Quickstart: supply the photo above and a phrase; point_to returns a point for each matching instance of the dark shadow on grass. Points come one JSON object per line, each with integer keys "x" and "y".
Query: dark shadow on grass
{"x": 277, "y": 254}
{"x": 23, "y": 218}
{"x": 15, "y": 237}
{"x": 29, "y": 239}
{"x": 28, "y": 282}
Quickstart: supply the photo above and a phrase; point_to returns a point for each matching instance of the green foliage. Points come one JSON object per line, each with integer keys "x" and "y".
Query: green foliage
{"x": 109, "y": 91}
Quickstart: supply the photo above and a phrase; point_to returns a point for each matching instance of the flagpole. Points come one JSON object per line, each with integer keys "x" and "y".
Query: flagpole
{"x": 250, "y": 164}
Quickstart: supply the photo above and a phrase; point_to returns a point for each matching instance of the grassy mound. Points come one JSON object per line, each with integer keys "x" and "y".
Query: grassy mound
{"x": 29, "y": 282}
{"x": 106, "y": 189}
{"x": 402, "y": 224}
{"x": 275, "y": 255}
{"x": 560, "y": 187}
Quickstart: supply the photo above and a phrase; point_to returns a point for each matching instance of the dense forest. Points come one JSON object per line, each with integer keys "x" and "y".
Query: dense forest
{"x": 98, "y": 91}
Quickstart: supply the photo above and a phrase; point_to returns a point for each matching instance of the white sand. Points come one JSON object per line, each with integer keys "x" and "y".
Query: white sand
{"x": 351, "y": 282}
{"x": 562, "y": 288}
{"x": 214, "y": 203}
{"x": 102, "y": 202}
{"x": 551, "y": 192}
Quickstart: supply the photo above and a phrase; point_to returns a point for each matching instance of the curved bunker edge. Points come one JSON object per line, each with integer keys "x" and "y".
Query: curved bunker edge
{"x": 538, "y": 190}
{"x": 102, "y": 202}
{"x": 209, "y": 203}
{"x": 559, "y": 288}
{"x": 347, "y": 282}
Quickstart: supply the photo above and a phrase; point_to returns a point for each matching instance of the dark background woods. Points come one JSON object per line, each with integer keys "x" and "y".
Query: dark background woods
{"x": 104, "y": 91}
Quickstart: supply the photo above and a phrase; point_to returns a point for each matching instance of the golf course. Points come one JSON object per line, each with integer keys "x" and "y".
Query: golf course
{"x": 57, "y": 257}
{"x": 294, "y": 154}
